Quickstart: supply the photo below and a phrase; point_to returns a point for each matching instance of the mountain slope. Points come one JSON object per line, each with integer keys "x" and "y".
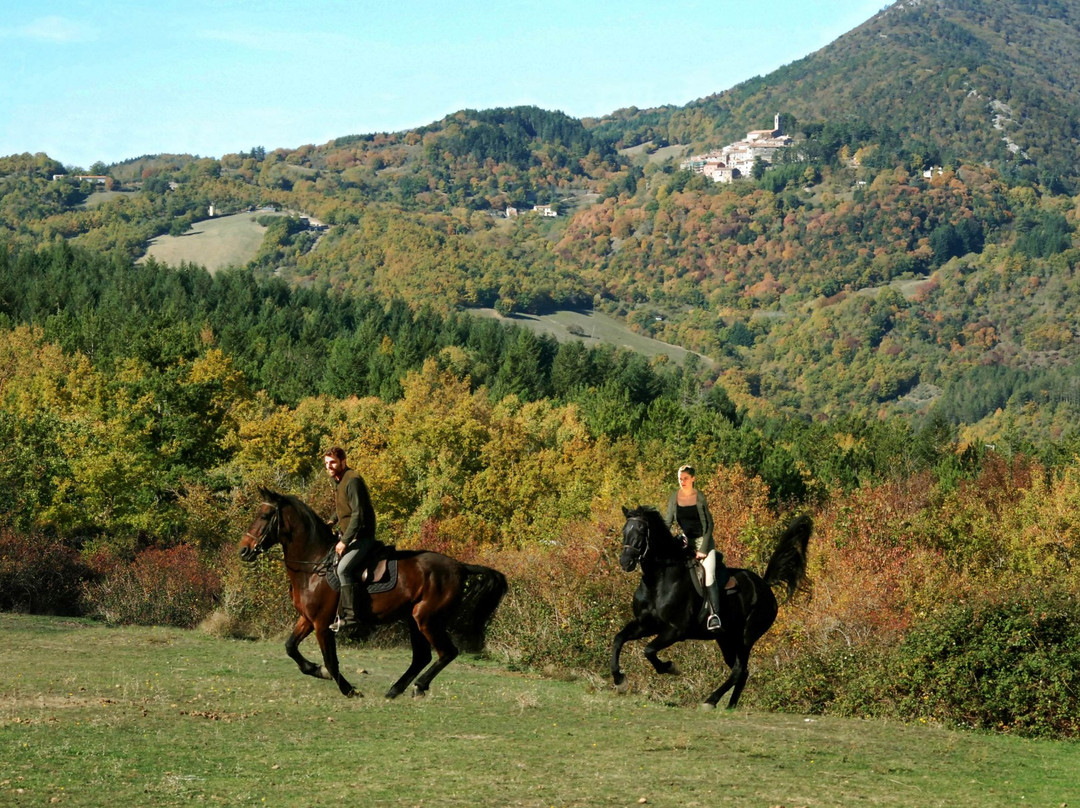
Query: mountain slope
{"x": 843, "y": 280}
{"x": 956, "y": 76}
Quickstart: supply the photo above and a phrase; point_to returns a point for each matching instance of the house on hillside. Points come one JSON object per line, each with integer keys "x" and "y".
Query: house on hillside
{"x": 737, "y": 159}
{"x": 545, "y": 210}
{"x": 765, "y": 134}
{"x": 721, "y": 172}
{"x": 93, "y": 179}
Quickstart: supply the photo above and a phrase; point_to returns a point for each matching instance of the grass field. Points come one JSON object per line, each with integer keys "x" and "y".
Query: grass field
{"x": 213, "y": 243}
{"x": 592, "y": 328}
{"x": 91, "y": 716}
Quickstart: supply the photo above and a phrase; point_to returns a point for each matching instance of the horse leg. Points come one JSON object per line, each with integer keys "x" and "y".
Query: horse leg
{"x": 328, "y": 644}
{"x": 300, "y": 632}
{"x": 667, "y": 637}
{"x": 740, "y": 672}
{"x": 633, "y": 630}
{"x": 436, "y": 635}
{"x": 421, "y": 656}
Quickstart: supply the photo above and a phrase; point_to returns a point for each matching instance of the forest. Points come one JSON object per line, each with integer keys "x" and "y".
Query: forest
{"x": 887, "y": 306}
{"x": 142, "y": 406}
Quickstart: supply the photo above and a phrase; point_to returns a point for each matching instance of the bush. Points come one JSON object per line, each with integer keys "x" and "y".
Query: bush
{"x": 1011, "y": 666}
{"x": 255, "y": 597}
{"x": 835, "y": 678}
{"x": 170, "y": 587}
{"x": 565, "y": 602}
{"x": 39, "y": 575}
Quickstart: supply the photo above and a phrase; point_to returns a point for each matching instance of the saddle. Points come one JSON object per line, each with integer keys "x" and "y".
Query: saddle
{"x": 378, "y": 575}
{"x": 381, "y": 576}
{"x": 697, "y": 575}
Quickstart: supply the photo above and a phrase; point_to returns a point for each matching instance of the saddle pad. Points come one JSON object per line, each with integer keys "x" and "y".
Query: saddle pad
{"x": 697, "y": 575}
{"x": 331, "y": 572}
{"x": 388, "y": 582}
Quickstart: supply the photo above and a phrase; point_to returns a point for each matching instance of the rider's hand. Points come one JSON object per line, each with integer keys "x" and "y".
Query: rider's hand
{"x": 339, "y": 548}
{"x": 699, "y": 556}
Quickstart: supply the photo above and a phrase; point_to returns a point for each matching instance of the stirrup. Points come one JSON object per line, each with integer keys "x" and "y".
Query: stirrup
{"x": 712, "y": 624}
{"x": 341, "y": 623}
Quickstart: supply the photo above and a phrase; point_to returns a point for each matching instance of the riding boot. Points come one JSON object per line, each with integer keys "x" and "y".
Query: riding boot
{"x": 346, "y": 608}
{"x": 712, "y": 592}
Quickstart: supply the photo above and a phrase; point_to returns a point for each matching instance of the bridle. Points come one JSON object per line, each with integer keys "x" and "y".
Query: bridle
{"x": 641, "y": 551}
{"x": 271, "y": 533}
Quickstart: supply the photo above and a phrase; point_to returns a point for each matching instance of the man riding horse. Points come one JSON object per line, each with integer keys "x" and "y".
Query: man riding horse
{"x": 355, "y": 519}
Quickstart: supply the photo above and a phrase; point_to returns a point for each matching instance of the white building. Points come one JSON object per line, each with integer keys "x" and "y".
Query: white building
{"x": 737, "y": 159}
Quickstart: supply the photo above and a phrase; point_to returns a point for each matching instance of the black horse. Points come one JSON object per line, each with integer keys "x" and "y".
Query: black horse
{"x": 669, "y": 608}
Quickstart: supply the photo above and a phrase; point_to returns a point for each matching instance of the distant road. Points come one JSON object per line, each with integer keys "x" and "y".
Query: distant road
{"x": 593, "y": 328}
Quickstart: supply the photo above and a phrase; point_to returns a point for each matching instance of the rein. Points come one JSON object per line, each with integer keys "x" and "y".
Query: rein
{"x": 273, "y": 531}
{"x": 320, "y": 568}
{"x": 662, "y": 560}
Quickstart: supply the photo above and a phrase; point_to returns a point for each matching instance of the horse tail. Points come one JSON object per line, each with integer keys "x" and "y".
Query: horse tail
{"x": 788, "y": 563}
{"x": 482, "y": 589}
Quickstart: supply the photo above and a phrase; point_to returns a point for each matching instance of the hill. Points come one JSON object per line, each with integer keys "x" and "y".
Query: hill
{"x": 934, "y": 145}
{"x": 955, "y": 81}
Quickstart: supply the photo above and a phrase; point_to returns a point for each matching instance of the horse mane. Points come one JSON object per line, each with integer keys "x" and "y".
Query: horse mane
{"x": 658, "y": 528}
{"x": 317, "y": 529}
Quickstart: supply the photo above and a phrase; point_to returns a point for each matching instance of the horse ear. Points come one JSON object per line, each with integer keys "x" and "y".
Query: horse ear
{"x": 267, "y": 495}
{"x": 625, "y": 512}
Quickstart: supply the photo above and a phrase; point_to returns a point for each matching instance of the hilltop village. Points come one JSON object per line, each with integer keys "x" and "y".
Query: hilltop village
{"x": 737, "y": 159}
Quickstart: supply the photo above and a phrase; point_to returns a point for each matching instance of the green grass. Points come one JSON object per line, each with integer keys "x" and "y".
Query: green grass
{"x": 91, "y": 715}
{"x": 593, "y": 328}
{"x": 213, "y": 243}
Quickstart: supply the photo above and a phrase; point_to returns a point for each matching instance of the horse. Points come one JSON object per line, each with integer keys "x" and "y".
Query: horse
{"x": 433, "y": 594}
{"x": 669, "y": 608}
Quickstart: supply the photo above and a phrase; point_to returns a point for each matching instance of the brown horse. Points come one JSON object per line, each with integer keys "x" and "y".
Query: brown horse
{"x": 434, "y": 594}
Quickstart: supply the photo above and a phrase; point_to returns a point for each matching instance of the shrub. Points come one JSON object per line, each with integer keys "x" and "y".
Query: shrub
{"x": 255, "y": 597}
{"x": 39, "y": 575}
{"x": 565, "y": 602}
{"x": 171, "y": 587}
{"x": 1012, "y": 665}
{"x": 835, "y": 678}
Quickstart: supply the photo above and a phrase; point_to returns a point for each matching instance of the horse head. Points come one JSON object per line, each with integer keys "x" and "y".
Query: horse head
{"x": 267, "y": 529}
{"x": 635, "y": 535}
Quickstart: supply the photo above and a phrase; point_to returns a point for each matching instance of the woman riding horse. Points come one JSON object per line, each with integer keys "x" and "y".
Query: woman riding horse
{"x": 668, "y": 609}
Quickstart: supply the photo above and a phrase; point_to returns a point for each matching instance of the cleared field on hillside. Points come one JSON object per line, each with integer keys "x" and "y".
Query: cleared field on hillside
{"x": 101, "y": 197}
{"x": 593, "y": 328}
{"x": 214, "y": 243}
{"x": 92, "y": 716}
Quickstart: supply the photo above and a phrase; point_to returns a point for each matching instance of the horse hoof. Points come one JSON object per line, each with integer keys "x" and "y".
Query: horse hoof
{"x": 706, "y": 706}
{"x": 418, "y": 693}
{"x": 622, "y": 687}
{"x": 354, "y": 694}
{"x": 673, "y": 670}
{"x": 392, "y": 694}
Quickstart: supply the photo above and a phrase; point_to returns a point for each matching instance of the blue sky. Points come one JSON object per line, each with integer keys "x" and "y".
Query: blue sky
{"x": 89, "y": 80}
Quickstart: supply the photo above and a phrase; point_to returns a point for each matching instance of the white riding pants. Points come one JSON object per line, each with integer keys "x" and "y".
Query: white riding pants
{"x": 709, "y": 564}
